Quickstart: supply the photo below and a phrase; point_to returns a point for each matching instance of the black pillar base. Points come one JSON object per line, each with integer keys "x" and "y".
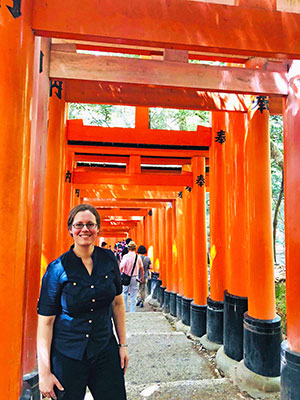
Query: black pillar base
{"x": 198, "y": 319}
{"x": 234, "y": 309}
{"x": 162, "y": 291}
{"x": 158, "y": 286}
{"x": 154, "y": 287}
{"x": 186, "y": 311}
{"x": 149, "y": 286}
{"x": 173, "y": 306}
{"x": 290, "y": 373}
{"x": 215, "y": 312}
{"x": 30, "y": 389}
{"x": 179, "y": 306}
{"x": 262, "y": 341}
{"x": 167, "y": 302}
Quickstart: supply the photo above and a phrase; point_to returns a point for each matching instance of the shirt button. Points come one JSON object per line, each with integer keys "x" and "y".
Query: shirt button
{"x": 92, "y": 286}
{"x": 74, "y": 283}
{"x": 90, "y": 321}
{"x": 87, "y": 335}
{"x": 93, "y": 300}
{"x": 92, "y": 309}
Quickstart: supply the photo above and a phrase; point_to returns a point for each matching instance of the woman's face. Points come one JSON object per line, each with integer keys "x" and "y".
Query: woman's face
{"x": 86, "y": 235}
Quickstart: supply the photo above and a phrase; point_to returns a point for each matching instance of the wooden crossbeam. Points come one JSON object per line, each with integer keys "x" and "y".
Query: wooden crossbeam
{"x": 150, "y": 180}
{"x": 122, "y": 212}
{"x": 177, "y": 24}
{"x": 170, "y": 74}
{"x": 129, "y": 203}
{"x": 78, "y": 147}
{"x": 109, "y": 191}
{"x": 94, "y": 158}
{"x": 115, "y": 223}
{"x": 83, "y": 91}
{"x": 76, "y": 131}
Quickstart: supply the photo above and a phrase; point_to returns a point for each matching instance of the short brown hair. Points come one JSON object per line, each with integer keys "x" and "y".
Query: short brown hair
{"x": 83, "y": 207}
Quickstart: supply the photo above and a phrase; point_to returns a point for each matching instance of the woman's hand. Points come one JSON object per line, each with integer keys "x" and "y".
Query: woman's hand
{"x": 46, "y": 385}
{"x": 124, "y": 356}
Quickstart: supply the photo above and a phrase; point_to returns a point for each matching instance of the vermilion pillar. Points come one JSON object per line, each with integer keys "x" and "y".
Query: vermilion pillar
{"x": 217, "y": 229}
{"x": 187, "y": 255}
{"x": 168, "y": 247}
{"x": 150, "y": 243}
{"x": 174, "y": 271}
{"x": 199, "y": 232}
{"x": 262, "y": 334}
{"x": 17, "y": 49}
{"x": 261, "y": 269}
{"x": 200, "y": 288}
{"x": 37, "y": 170}
{"x": 156, "y": 265}
{"x": 162, "y": 245}
{"x": 67, "y": 198}
{"x": 235, "y": 298}
{"x": 179, "y": 244}
{"x": 55, "y": 173}
{"x": 162, "y": 255}
{"x": 290, "y": 374}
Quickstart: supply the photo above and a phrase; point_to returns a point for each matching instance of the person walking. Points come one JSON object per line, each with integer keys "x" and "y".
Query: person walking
{"x": 80, "y": 295}
{"x": 142, "y": 251}
{"x": 126, "y": 266}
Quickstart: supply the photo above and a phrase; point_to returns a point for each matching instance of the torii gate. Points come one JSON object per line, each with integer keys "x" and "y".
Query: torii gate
{"x": 194, "y": 29}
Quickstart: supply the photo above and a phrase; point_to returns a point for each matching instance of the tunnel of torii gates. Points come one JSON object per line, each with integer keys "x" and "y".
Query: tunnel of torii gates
{"x": 156, "y": 195}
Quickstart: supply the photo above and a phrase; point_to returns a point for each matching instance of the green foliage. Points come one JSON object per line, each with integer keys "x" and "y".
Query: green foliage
{"x": 173, "y": 119}
{"x": 103, "y": 114}
{"x": 276, "y": 135}
{"x": 281, "y": 304}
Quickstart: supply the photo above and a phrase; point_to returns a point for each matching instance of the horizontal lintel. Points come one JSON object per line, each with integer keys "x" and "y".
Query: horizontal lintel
{"x": 64, "y": 65}
{"x": 144, "y": 179}
{"x": 180, "y": 24}
{"x": 125, "y": 137}
{"x": 84, "y": 91}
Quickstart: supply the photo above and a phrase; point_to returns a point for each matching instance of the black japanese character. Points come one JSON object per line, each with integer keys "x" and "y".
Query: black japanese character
{"x": 200, "y": 181}
{"x": 68, "y": 176}
{"x": 221, "y": 137}
{"x": 58, "y": 86}
{"x": 261, "y": 102}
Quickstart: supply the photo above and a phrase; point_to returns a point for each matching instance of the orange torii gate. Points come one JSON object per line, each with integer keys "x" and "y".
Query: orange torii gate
{"x": 26, "y": 67}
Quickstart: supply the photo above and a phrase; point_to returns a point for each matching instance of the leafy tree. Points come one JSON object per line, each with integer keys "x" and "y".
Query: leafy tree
{"x": 277, "y": 176}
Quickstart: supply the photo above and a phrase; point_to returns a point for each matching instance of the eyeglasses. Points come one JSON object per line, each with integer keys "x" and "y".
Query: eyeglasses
{"x": 89, "y": 225}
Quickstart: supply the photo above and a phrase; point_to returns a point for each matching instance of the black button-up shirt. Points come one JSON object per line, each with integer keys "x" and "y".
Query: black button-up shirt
{"x": 81, "y": 302}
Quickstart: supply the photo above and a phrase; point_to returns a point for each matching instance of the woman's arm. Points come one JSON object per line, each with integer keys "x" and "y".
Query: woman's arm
{"x": 44, "y": 338}
{"x": 118, "y": 310}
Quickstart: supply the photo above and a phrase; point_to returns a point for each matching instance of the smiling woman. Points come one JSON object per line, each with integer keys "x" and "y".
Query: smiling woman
{"x": 80, "y": 294}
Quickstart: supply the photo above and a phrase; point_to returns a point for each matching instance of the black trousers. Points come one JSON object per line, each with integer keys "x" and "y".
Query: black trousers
{"x": 102, "y": 374}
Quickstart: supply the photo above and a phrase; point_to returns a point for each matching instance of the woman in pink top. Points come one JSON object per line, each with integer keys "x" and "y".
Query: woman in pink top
{"x": 126, "y": 266}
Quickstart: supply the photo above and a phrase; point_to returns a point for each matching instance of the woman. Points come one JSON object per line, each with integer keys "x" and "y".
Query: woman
{"x": 81, "y": 291}
{"x": 142, "y": 251}
{"x": 128, "y": 261}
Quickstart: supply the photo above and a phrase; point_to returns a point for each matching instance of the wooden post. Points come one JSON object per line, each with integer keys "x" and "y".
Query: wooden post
{"x": 200, "y": 289}
{"x": 290, "y": 375}
{"x": 37, "y": 171}
{"x": 235, "y": 298}
{"x": 199, "y": 232}
{"x": 55, "y": 173}
{"x": 262, "y": 332}
{"x": 187, "y": 255}
{"x": 16, "y": 68}
{"x": 217, "y": 208}
{"x": 261, "y": 270}
{"x": 162, "y": 245}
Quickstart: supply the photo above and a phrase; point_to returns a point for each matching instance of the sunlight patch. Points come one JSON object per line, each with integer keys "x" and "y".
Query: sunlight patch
{"x": 150, "y": 390}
